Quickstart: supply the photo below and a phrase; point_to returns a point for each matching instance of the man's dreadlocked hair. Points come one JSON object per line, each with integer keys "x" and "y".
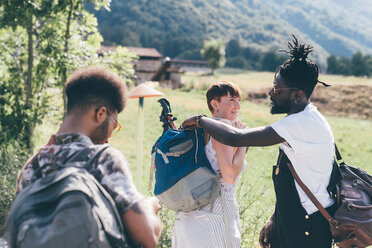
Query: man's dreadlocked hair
{"x": 298, "y": 71}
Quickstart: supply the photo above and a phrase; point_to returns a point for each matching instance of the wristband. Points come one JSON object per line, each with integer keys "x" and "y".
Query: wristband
{"x": 198, "y": 119}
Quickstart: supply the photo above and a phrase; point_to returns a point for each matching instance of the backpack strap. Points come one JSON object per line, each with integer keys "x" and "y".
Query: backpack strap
{"x": 35, "y": 166}
{"x": 226, "y": 221}
{"x": 338, "y": 156}
{"x": 152, "y": 171}
{"x": 164, "y": 155}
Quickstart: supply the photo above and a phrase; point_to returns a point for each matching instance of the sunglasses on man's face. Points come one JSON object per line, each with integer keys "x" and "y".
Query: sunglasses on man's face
{"x": 276, "y": 89}
{"x": 117, "y": 124}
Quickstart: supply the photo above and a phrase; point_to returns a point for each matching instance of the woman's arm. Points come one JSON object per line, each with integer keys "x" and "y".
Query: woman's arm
{"x": 230, "y": 163}
{"x": 230, "y": 159}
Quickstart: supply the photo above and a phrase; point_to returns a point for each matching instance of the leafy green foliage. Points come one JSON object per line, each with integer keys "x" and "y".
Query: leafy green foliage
{"x": 214, "y": 53}
{"x": 14, "y": 115}
{"x": 12, "y": 157}
{"x": 38, "y": 55}
{"x": 121, "y": 62}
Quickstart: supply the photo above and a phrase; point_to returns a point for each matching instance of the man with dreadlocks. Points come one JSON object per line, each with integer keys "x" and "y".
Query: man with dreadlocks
{"x": 305, "y": 139}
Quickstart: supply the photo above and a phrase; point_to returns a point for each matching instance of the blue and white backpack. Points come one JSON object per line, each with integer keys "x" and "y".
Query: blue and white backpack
{"x": 184, "y": 178}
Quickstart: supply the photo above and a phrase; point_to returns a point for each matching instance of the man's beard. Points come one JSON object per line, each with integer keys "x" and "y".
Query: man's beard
{"x": 99, "y": 135}
{"x": 282, "y": 108}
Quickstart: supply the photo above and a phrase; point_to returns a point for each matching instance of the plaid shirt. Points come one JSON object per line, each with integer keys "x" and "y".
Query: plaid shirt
{"x": 111, "y": 169}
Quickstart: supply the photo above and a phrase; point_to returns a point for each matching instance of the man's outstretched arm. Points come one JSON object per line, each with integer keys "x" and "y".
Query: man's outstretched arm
{"x": 229, "y": 135}
{"x": 142, "y": 223}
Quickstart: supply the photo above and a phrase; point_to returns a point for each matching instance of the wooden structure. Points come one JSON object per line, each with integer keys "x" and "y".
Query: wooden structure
{"x": 191, "y": 65}
{"x": 150, "y": 62}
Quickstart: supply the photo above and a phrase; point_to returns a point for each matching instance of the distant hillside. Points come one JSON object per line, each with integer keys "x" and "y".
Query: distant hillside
{"x": 178, "y": 28}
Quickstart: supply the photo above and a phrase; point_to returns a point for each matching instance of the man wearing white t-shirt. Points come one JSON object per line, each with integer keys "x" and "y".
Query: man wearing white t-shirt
{"x": 306, "y": 141}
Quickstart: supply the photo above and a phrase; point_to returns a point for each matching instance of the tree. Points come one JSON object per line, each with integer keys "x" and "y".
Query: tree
{"x": 344, "y": 65}
{"x": 270, "y": 60}
{"x": 368, "y": 59}
{"x": 41, "y": 42}
{"x": 214, "y": 53}
{"x": 79, "y": 23}
{"x": 121, "y": 62}
{"x": 250, "y": 54}
{"x": 20, "y": 18}
{"x": 358, "y": 65}
{"x": 233, "y": 48}
{"x": 236, "y": 62}
{"x": 333, "y": 65}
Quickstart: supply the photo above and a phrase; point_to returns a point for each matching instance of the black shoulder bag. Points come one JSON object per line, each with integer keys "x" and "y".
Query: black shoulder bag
{"x": 351, "y": 225}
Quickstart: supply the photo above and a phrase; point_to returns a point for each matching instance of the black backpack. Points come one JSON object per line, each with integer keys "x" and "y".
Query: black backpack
{"x": 66, "y": 208}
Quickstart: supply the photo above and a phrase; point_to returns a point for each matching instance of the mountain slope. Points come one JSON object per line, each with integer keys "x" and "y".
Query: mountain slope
{"x": 178, "y": 28}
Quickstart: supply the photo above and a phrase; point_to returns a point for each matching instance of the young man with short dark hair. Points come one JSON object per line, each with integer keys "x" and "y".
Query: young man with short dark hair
{"x": 95, "y": 97}
{"x": 305, "y": 139}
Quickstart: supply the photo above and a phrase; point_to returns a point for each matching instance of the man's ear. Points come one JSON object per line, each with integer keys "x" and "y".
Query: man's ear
{"x": 100, "y": 114}
{"x": 297, "y": 95}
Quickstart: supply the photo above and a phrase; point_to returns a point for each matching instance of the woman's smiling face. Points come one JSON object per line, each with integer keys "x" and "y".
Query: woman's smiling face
{"x": 227, "y": 108}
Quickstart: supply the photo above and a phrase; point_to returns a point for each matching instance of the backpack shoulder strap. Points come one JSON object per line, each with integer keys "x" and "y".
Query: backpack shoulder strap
{"x": 35, "y": 166}
{"x": 338, "y": 156}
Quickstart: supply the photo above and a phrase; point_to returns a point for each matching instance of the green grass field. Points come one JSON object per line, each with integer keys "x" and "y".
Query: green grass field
{"x": 255, "y": 192}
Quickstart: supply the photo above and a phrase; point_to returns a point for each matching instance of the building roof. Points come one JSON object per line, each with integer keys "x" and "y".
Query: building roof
{"x": 187, "y": 61}
{"x": 145, "y": 52}
{"x": 140, "y": 51}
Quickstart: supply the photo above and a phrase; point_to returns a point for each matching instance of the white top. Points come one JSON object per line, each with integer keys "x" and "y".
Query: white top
{"x": 310, "y": 147}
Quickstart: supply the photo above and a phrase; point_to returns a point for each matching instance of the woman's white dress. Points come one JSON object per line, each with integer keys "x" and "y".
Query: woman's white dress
{"x": 202, "y": 228}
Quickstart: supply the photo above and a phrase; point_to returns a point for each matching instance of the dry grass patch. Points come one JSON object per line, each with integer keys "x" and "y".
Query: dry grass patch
{"x": 345, "y": 100}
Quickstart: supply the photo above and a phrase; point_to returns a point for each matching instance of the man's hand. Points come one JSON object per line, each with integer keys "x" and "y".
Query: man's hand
{"x": 142, "y": 222}
{"x": 189, "y": 123}
{"x": 265, "y": 234}
{"x": 154, "y": 202}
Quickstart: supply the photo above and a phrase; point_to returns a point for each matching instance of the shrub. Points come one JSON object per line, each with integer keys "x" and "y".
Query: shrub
{"x": 168, "y": 218}
{"x": 12, "y": 158}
